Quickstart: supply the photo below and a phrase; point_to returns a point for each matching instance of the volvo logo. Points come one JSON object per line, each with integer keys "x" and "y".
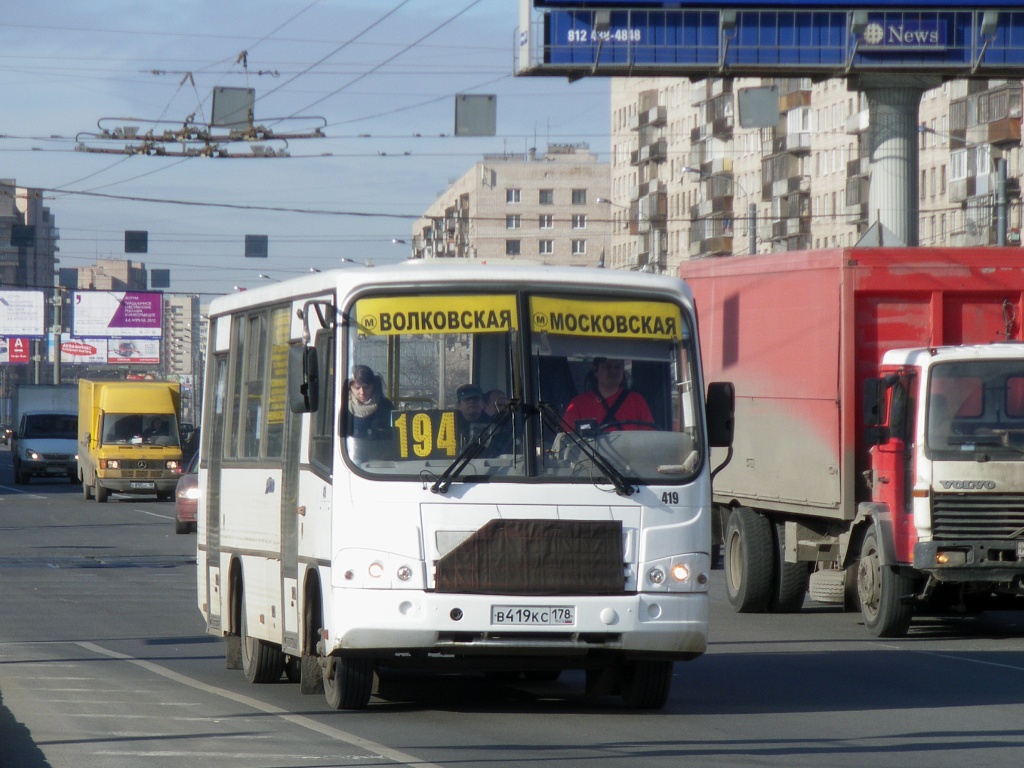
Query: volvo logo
{"x": 968, "y": 485}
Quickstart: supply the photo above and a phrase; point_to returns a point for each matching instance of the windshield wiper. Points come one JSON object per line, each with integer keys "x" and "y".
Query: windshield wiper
{"x": 473, "y": 448}
{"x": 551, "y": 417}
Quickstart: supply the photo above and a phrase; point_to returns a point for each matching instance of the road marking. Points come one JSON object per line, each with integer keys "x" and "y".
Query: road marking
{"x": 155, "y": 514}
{"x": 379, "y": 750}
{"x": 24, "y": 493}
{"x": 1014, "y": 667}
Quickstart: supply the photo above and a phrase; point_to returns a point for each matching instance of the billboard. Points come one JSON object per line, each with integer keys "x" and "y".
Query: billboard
{"x": 109, "y": 351}
{"x": 22, "y": 313}
{"x": 117, "y": 314}
{"x": 750, "y": 39}
{"x": 15, "y": 350}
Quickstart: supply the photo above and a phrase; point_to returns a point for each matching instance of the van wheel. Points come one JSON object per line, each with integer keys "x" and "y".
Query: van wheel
{"x": 749, "y": 561}
{"x": 20, "y": 478}
{"x": 102, "y": 494}
{"x": 86, "y": 490}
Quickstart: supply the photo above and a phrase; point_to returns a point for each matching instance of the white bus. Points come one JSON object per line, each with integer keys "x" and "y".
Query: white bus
{"x": 526, "y": 546}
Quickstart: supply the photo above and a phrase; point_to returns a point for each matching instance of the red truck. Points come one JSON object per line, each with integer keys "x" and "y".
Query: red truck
{"x": 878, "y": 458}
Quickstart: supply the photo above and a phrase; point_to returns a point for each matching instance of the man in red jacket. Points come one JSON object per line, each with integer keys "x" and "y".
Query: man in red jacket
{"x": 609, "y": 403}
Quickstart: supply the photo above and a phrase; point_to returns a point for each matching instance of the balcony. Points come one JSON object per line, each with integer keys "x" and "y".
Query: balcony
{"x": 961, "y": 189}
{"x": 793, "y": 142}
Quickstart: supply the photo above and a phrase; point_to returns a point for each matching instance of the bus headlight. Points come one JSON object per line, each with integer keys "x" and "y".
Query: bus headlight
{"x": 376, "y": 569}
{"x": 680, "y": 572}
{"x": 404, "y": 573}
{"x": 656, "y": 576}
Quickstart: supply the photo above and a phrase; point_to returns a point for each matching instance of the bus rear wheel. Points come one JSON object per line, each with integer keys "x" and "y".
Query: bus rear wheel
{"x": 262, "y": 662}
{"x": 348, "y": 683}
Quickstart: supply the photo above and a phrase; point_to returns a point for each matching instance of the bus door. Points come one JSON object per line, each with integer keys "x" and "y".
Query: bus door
{"x": 213, "y": 436}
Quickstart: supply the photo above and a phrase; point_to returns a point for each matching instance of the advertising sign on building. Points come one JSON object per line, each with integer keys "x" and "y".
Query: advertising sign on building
{"x": 21, "y": 313}
{"x": 117, "y": 314}
{"x": 133, "y": 351}
{"x": 82, "y": 351}
{"x": 15, "y": 350}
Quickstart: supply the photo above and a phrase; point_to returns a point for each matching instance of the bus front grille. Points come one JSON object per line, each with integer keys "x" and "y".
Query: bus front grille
{"x": 536, "y": 557}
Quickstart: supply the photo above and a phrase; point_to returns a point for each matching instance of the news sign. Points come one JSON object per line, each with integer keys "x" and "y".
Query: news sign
{"x": 797, "y": 5}
{"x": 117, "y": 314}
{"x": 22, "y": 313}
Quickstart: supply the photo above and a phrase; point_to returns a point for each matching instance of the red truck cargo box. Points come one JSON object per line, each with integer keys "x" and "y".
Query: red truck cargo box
{"x": 799, "y": 332}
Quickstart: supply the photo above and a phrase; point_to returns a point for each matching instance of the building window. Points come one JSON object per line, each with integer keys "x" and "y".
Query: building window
{"x": 579, "y": 247}
{"x": 546, "y": 221}
{"x": 579, "y": 197}
{"x": 512, "y": 221}
{"x": 547, "y": 247}
{"x": 547, "y": 197}
{"x": 579, "y": 221}
{"x": 513, "y": 247}
{"x": 513, "y": 195}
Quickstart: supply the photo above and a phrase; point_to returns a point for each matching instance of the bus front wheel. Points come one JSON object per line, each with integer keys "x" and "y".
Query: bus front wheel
{"x": 646, "y": 684}
{"x": 348, "y": 683}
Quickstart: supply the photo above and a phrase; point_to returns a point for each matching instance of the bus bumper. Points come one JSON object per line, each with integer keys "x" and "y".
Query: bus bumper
{"x": 663, "y": 625}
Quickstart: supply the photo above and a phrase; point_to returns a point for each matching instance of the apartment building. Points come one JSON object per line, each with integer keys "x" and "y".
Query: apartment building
{"x": 689, "y": 181}
{"x": 552, "y": 209}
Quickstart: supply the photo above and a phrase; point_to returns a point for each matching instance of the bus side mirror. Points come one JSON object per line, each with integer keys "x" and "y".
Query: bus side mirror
{"x": 303, "y": 379}
{"x": 720, "y": 412}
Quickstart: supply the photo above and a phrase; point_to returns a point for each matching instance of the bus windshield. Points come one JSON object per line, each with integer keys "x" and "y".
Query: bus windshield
{"x": 513, "y": 385}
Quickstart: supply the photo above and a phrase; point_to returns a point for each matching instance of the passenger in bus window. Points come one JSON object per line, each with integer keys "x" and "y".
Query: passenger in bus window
{"x": 609, "y": 402}
{"x": 495, "y": 402}
{"x": 472, "y": 419}
{"x": 369, "y": 411}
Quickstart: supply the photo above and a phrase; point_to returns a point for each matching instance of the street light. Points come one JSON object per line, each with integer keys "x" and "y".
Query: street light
{"x": 655, "y": 231}
{"x": 366, "y": 263}
{"x": 751, "y": 210}
{"x": 268, "y": 277}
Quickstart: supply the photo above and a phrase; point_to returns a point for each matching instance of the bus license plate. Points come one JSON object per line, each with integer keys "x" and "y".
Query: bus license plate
{"x": 142, "y": 486}
{"x": 533, "y": 615}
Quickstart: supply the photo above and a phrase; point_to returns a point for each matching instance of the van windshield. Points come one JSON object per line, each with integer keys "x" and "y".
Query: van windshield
{"x": 140, "y": 429}
{"x": 52, "y": 426}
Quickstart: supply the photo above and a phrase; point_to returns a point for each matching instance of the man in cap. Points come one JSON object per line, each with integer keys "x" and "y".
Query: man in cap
{"x": 471, "y": 419}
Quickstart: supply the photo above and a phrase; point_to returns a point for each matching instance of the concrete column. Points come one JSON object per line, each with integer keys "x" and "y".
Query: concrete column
{"x": 893, "y": 156}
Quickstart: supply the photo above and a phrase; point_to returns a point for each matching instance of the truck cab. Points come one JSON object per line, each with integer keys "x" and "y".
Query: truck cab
{"x": 947, "y": 479}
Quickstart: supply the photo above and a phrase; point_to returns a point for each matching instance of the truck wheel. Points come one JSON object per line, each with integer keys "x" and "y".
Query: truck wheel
{"x": 102, "y": 494}
{"x": 348, "y": 683}
{"x": 790, "y": 585}
{"x": 880, "y": 589}
{"x": 262, "y": 662}
{"x": 749, "y": 560}
{"x": 646, "y": 684}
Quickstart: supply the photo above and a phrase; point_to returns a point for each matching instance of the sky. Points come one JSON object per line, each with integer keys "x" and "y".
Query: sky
{"x": 378, "y": 77}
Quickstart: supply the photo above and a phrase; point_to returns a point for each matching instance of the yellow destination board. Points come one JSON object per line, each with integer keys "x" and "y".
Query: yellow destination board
{"x": 619, "y": 319}
{"x": 479, "y": 313}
